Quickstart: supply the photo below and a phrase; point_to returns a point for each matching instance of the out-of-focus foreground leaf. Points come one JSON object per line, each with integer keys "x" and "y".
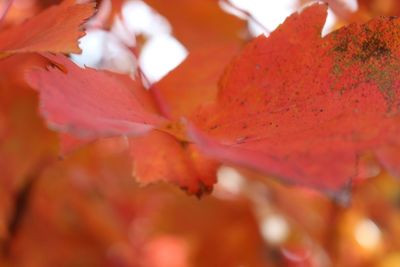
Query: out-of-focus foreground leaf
{"x": 56, "y": 30}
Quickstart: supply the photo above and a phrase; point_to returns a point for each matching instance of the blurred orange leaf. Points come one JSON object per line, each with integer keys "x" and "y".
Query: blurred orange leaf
{"x": 56, "y": 30}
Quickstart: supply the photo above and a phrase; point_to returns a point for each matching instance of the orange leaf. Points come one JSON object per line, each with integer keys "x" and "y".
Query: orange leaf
{"x": 197, "y": 22}
{"x": 56, "y": 30}
{"x": 195, "y": 81}
{"x": 160, "y": 157}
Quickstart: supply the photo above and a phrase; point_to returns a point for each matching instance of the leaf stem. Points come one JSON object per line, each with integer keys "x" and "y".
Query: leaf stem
{"x": 247, "y": 14}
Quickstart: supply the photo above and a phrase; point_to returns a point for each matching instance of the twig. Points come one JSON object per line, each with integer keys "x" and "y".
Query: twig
{"x": 247, "y": 14}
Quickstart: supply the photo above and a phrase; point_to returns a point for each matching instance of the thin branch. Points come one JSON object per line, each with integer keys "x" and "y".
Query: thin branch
{"x": 246, "y": 14}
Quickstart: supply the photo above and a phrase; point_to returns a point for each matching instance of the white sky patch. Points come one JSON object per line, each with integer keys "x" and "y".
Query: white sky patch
{"x": 121, "y": 31}
{"x": 108, "y": 50}
{"x": 230, "y": 180}
{"x": 268, "y": 13}
{"x": 367, "y": 234}
{"x": 92, "y": 45}
{"x": 101, "y": 49}
{"x": 160, "y": 55}
{"x": 140, "y": 18}
{"x": 163, "y": 52}
{"x": 273, "y": 13}
{"x": 330, "y": 23}
{"x": 274, "y": 229}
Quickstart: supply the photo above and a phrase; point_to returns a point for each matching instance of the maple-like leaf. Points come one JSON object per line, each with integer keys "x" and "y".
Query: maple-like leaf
{"x": 56, "y": 30}
{"x": 89, "y": 104}
{"x": 159, "y": 156}
{"x": 86, "y": 104}
{"x": 81, "y": 118}
{"x": 303, "y": 108}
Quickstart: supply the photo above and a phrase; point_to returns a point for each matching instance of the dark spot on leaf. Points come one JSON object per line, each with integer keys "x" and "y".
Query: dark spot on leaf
{"x": 373, "y": 47}
{"x": 342, "y": 47}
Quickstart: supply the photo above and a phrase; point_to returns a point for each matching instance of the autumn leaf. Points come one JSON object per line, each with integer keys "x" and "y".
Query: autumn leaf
{"x": 56, "y": 30}
{"x": 293, "y": 131}
{"x": 85, "y": 104}
{"x": 319, "y": 112}
{"x": 187, "y": 168}
{"x": 197, "y": 22}
{"x": 191, "y": 84}
{"x": 196, "y": 173}
{"x": 89, "y": 104}
{"x": 303, "y": 108}
{"x": 213, "y": 37}
{"x": 195, "y": 81}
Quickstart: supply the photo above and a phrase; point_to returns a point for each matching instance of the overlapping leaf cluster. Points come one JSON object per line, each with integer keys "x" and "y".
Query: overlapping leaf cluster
{"x": 290, "y": 115}
{"x": 294, "y": 106}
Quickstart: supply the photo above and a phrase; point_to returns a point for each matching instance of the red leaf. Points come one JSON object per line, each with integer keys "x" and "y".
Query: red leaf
{"x": 88, "y": 103}
{"x": 56, "y": 30}
{"x": 303, "y": 108}
{"x": 160, "y": 157}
